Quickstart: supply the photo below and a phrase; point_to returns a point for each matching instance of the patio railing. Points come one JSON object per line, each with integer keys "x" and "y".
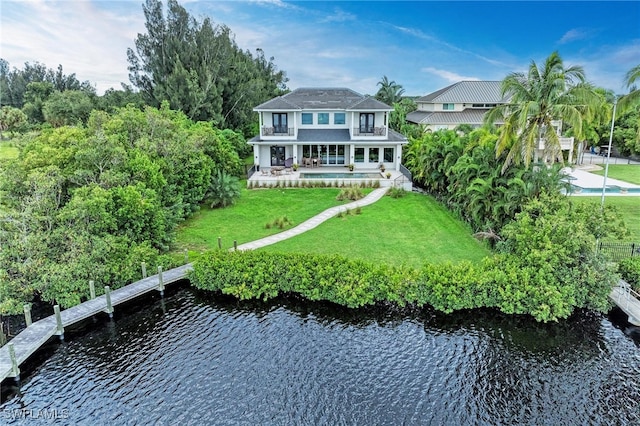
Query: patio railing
{"x": 277, "y": 131}
{"x": 369, "y": 131}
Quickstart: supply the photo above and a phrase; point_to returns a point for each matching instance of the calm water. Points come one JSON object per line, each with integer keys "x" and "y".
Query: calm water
{"x": 198, "y": 359}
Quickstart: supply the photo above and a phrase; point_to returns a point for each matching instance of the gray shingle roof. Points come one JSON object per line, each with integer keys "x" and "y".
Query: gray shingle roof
{"x": 332, "y": 135}
{"x": 467, "y": 92}
{"x": 322, "y": 98}
{"x": 323, "y": 135}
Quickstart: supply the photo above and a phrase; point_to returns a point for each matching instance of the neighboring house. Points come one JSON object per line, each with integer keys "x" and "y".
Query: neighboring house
{"x": 333, "y": 126}
{"x": 465, "y": 102}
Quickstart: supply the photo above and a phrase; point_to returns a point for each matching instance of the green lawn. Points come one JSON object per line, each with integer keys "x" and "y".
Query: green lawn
{"x": 626, "y": 172}
{"x": 628, "y": 207}
{"x": 410, "y": 230}
{"x": 245, "y": 221}
{"x": 7, "y": 150}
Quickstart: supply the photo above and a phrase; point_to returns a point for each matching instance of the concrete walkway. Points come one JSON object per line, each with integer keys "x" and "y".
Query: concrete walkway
{"x": 374, "y": 196}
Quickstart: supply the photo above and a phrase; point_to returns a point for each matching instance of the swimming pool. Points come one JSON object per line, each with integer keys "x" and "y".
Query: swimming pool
{"x": 613, "y": 189}
{"x": 340, "y": 176}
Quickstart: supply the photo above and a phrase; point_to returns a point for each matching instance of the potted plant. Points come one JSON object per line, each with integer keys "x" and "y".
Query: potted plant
{"x": 351, "y": 166}
{"x": 388, "y": 175}
{"x": 295, "y": 167}
{"x": 382, "y": 167}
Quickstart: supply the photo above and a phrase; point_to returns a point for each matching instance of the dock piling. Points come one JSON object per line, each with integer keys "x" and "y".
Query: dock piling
{"x": 160, "y": 281}
{"x": 59, "y": 327}
{"x": 92, "y": 289}
{"x": 27, "y": 314}
{"x": 107, "y": 294}
{"x": 144, "y": 269}
{"x": 15, "y": 370}
{"x": 235, "y": 245}
{"x": 186, "y": 256}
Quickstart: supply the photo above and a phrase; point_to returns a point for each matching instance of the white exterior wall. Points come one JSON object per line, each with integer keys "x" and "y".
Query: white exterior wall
{"x": 315, "y": 125}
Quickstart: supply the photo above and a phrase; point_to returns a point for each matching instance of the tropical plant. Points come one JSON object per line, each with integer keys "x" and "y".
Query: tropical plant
{"x": 390, "y": 92}
{"x": 537, "y": 100}
{"x": 224, "y": 190}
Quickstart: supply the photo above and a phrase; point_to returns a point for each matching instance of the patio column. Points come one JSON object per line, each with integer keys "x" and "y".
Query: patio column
{"x": 295, "y": 153}
{"x": 256, "y": 154}
{"x": 398, "y": 157}
{"x": 352, "y": 152}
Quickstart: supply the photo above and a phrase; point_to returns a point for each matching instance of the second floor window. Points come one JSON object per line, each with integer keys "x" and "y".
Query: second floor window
{"x": 280, "y": 123}
{"x": 323, "y": 118}
{"x": 448, "y": 107}
{"x": 338, "y": 118}
{"x": 307, "y": 118}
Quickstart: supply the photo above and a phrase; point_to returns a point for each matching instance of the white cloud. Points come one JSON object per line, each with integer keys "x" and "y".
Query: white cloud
{"x": 448, "y": 75}
{"x": 339, "y": 15}
{"x": 573, "y": 35}
{"x": 85, "y": 39}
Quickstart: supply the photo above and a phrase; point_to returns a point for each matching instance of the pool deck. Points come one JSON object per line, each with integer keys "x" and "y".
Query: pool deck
{"x": 586, "y": 180}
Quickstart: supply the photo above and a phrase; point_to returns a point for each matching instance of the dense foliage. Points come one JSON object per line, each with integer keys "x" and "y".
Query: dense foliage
{"x": 629, "y": 268}
{"x": 505, "y": 282}
{"x": 92, "y": 202}
{"x": 545, "y": 94}
{"x": 198, "y": 68}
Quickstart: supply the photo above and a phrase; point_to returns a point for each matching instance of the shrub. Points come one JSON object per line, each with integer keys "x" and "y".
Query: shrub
{"x": 503, "y": 281}
{"x": 352, "y": 193}
{"x": 396, "y": 192}
{"x": 630, "y": 271}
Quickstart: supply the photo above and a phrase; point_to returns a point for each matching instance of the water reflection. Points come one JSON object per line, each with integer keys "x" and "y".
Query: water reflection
{"x": 194, "y": 358}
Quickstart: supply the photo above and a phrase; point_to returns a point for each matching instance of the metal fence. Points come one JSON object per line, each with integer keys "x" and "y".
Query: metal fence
{"x": 619, "y": 251}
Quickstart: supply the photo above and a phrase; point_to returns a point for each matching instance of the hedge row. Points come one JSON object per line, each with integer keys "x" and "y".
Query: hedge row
{"x": 501, "y": 282}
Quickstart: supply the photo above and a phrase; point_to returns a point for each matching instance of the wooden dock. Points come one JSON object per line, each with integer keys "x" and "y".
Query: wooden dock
{"x": 627, "y": 300}
{"x": 27, "y": 342}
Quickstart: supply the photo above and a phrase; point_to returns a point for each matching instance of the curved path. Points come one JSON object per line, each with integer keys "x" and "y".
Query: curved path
{"x": 371, "y": 198}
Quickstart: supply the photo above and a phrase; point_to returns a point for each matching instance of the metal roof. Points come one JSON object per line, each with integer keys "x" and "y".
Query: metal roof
{"x": 468, "y": 116}
{"x": 337, "y": 98}
{"x": 467, "y": 92}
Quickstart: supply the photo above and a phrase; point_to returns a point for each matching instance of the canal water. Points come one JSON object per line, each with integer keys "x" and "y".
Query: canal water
{"x": 195, "y": 358}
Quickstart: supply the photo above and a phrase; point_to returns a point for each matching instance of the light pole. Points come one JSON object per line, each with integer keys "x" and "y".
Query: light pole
{"x": 606, "y": 167}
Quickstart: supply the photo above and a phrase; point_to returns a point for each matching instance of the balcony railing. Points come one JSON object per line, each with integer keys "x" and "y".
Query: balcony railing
{"x": 369, "y": 131}
{"x": 278, "y": 131}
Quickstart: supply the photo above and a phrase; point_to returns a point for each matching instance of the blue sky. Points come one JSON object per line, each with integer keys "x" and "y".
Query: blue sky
{"x": 422, "y": 45}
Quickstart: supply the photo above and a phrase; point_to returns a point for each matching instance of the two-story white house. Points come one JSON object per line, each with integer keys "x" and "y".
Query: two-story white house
{"x": 331, "y": 127}
{"x": 465, "y": 102}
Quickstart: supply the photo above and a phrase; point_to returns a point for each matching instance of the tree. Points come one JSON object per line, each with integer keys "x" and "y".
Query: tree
{"x": 398, "y": 117}
{"x": 35, "y": 96}
{"x": 224, "y": 190}
{"x": 632, "y": 99}
{"x": 11, "y": 119}
{"x": 539, "y": 98}
{"x": 390, "y": 92}
{"x": 67, "y": 108}
{"x": 198, "y": 68}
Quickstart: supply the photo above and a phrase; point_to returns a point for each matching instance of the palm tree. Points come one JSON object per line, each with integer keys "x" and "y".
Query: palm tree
{"x": 390, "y": 92}
{"x": 538, "y": 99}
{"x": 633, "y": 97}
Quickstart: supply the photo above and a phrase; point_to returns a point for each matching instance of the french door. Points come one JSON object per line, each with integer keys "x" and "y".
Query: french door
{"x": 280, "y": 123}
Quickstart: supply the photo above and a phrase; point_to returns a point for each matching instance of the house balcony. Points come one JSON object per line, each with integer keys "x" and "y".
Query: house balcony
{"x": 277, "y": 131}
{"x": 369, "y": 131}
{"x": 565, "y": 143}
